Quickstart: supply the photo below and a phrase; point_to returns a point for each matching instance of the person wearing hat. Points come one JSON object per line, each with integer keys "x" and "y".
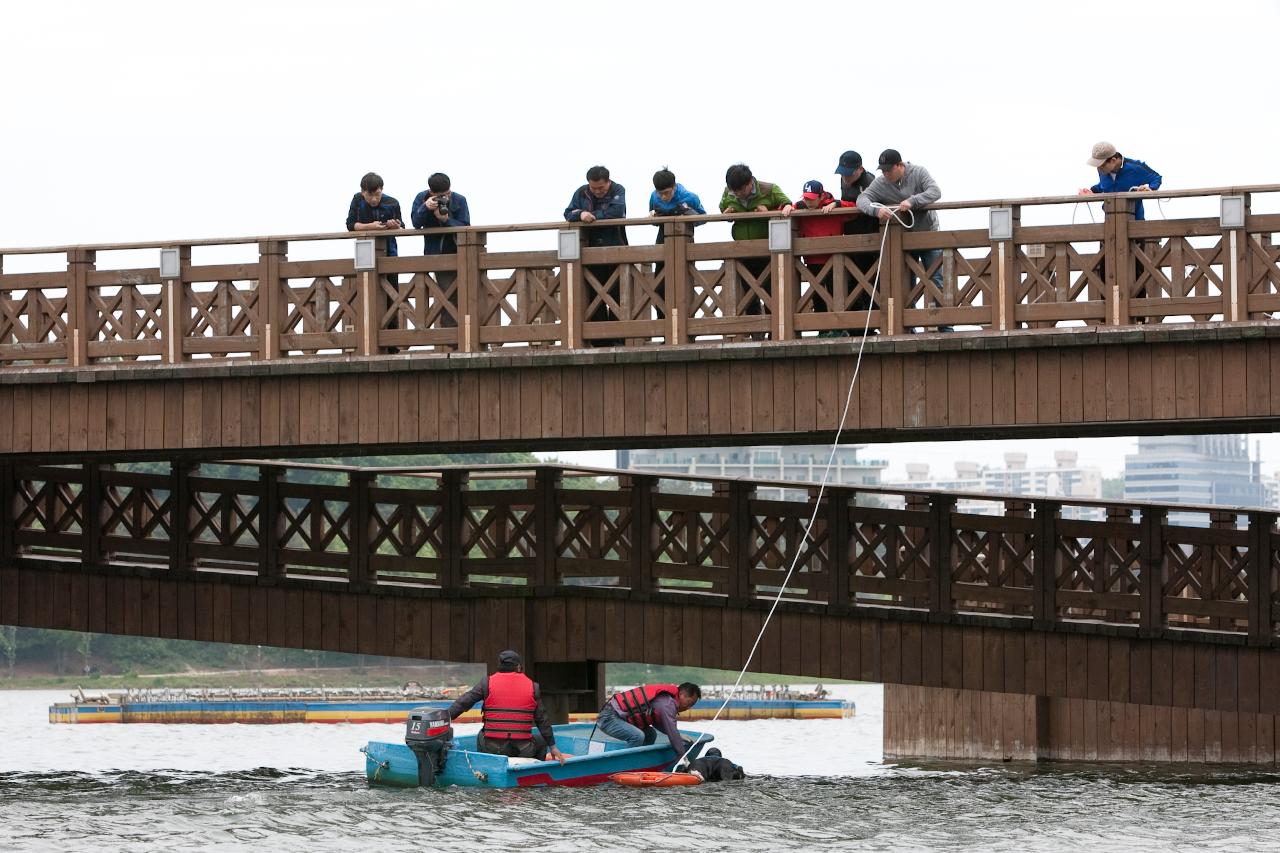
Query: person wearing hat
{"x": 815, "y": 197}
{"x": 854, "y": 180}
{"x": 512, "y": 710}
{"x": 1116, "y": 174}
{"x": 1119, "y": 175}
{"x": 905, "y": 191}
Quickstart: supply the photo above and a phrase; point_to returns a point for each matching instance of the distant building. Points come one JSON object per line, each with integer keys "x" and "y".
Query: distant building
{"x": 1066, "y": 478}
{"x": 1195, "y": 469}
{"x": 799, "y": 462}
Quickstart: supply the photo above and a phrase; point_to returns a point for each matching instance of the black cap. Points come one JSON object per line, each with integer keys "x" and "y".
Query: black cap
{"x": 850, "y": 162}
{"x": 714, "y": 752}
{"x": 889, "y": 157}
{"x": 508, "y": 661}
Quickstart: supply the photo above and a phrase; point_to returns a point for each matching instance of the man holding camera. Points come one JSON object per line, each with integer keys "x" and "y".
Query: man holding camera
{"x": 438, "y": 206}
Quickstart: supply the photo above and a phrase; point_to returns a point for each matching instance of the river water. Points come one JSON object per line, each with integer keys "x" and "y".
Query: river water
{"x": 815, "y": 785}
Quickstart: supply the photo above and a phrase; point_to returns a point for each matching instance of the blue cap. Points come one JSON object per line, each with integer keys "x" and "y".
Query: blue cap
{"x": 813, "y": 189}
{"x": 850, "y": 162}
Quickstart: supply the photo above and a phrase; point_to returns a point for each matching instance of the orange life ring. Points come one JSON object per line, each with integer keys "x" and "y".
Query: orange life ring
{"x": 655, "y": 779}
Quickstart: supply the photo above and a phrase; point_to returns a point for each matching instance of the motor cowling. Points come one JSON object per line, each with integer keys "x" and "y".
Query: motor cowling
{"x": 429, "y": 734}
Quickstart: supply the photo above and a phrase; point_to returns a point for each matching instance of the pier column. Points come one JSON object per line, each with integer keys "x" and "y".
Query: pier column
{"x": 566, "y": 688}
{"x": 972, "y": 725}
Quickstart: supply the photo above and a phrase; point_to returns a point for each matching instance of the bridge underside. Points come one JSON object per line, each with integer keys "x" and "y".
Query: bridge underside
{"x": 1066, "y": 382}
{"x": 970, "y": 687}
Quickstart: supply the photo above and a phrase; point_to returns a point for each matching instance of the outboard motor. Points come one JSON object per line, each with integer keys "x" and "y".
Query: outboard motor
{"x": 429, "y": 734}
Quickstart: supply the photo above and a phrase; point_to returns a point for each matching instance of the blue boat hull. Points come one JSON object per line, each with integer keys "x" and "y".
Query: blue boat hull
{"x": 393, "y": 765}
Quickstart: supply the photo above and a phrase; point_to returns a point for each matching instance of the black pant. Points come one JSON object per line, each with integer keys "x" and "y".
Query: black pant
{"x": 508, "y": 746}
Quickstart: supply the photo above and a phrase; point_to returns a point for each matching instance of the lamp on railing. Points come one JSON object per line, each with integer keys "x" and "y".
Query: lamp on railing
{"x": 169, "y": 264}
{"x": 1000, "y": 224}
{"x": 1232, "y": 211}
{"x": 779, "y": 235}
{"x": 366, "y": 257}
{"x": 569, "y": 245}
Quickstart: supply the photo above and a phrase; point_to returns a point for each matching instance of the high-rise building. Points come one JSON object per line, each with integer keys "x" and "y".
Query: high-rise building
{"x": 1066, "y": 478}
{"x": 1195, "y": 469}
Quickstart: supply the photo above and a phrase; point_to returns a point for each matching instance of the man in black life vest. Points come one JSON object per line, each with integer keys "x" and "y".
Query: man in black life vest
{"x": 634, "y": 716}
{"x": 512, "y": 708}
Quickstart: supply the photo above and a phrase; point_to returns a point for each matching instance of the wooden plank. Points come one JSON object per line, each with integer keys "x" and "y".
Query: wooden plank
{"x": 870, "y": 387}
{"x": 1098, "y": 678}
{"x": 1234, "y": 375}
{"x": 1025, "y": 393}
{"x": 387, "y": 411}
{"x": 231, "y": 399}
{"x": 850, "y": 648}
{"x": 655, "y": 400}
{"x": 211, "y": 413}
{"x": 1117, "y": 382}
{"x": 912, "y": 641}
{"x": 1014, "y": 664}
{"x": 367, "y": 409}
{"x": 1140, "y": 383}
{"x": 1003, "y": 391}
{"x": 784, "y": 400}
{"x": 1072, "y": 391}
{"x": 1034, "y": 664}
{"x": 891, "y": 652}
{"x": 153, "y": 429}
{"x": 804, "y": 396}
{"x": 1140, "y": 672}
{"x": 1049, "y": 387}
{"x": 1210, "y": 357}
{"x": 350, "y": 393}
{"x": 59, "y": 418}
{"x": 529, "y": 416}
{"x": 1118, "y": 669}
{"x": 1161, "y": 673}
{"x": 993, "y": 660}
{"x": 973, "y": 655}
{"x": 1094, "y": 368}
{"x": 869, "y": 650}
{"x": 449, "y": 415}
{"x": 915, "y": 391}
{"x": 1205, "y": 677}
{"x": 327, "y": 414}
{"x": 892, "y": 392}
{"x": 1182, "y": 675}
{"x": 1225, "y": 688}
{"x": 1055, "y": 665}
{"x": 982, "y": 391}
{"x": 959, "y": 392}
{"x": 1186, "y": 385}
{"x": 489, "y": 401}
{"x": 952, "y": 657}
{"x": 1164, "y": 392}
{"x": 613, "y": 400}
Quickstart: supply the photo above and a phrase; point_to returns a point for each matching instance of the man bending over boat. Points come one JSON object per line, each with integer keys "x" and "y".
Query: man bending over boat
{"x": 635, "y": 716}
{"x": 512, "y": 708}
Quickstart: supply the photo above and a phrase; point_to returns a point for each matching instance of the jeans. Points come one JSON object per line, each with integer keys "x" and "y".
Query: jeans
{"x": 614, "y": 726}
{"x": 927, "y": 258}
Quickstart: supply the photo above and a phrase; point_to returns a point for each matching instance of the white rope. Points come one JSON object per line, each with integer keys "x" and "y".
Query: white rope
{"x": 822, "y": 486}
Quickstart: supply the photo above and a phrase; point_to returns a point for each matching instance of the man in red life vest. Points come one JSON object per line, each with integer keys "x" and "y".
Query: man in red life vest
{"x": 634, "y": 716}
{"x": 512, "y": 708}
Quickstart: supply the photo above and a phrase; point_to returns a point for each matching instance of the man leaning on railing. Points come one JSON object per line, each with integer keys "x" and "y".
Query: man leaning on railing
{"x": 600, "y": 198}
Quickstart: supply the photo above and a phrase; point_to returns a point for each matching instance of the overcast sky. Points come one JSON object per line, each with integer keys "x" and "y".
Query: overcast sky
{"x": 131, "y": 121}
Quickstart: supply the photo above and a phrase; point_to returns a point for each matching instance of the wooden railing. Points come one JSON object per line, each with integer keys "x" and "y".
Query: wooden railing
{"x": 1114, "y": 272}
{"x": 519, "y": 530}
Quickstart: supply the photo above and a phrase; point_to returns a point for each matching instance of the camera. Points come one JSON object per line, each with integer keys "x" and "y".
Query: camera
{"x": 442, "y": 203}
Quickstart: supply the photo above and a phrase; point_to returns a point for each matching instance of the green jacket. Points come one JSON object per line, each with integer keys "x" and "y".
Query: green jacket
{"x": 764, "y": 193}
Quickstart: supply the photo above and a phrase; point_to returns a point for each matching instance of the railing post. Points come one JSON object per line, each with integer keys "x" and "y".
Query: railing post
{"x": 272, "y": 304}
{"x": 640, "y": 488}
{"x": 175, "y": 309}
{"x": 360, "y": 482}
{"x": 676, "y": 238}
{"x": 1044, "y": 583}
{"x": 80, "y": 263}
{"x": 572, "y": 303}
{"x": 738, "y": 586}
{"x": 372, "y": 302}
{"x": 1261, "y": 584}
{"x": 8, "y": 494}
{"x": 471, "y": 248}
{"x": 91, "y": 498}
{"x": 785, "y": 284}
{"x": 270, "y": 517}
{"x": 1237, "y": 268}
{"x": 180, "y": 521}
{"x": 1118, "y": 256}
{"x": 940, "y": 508}
{"x": 546, "y": 485}
{"x": 1151, "y": 613}
{"x": 893, "y": 279}
{"x": 452, "y": 484}
{"x": 837, "y": 517}
{"x": 1005, "y": 255}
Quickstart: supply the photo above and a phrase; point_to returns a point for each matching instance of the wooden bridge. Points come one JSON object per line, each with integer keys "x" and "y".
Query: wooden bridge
{"x": 1031, "y": 632}
{"x": 232, "y": 346}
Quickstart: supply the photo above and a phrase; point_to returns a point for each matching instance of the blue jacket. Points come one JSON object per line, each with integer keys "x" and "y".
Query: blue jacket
{"x": 1133, "y": 173}
{"x": 682, "y": 203}
{"x": 424, "y": 217}
{"x": 612, "y": 206}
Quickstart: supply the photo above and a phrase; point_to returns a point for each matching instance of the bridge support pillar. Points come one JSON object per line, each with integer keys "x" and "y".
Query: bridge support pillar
{"x": 566, "y": 688}
{"x": 973, "y": 725}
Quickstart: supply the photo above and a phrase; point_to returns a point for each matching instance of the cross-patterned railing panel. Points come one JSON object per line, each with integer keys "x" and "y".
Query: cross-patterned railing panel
{"x": 221, "y": 313}
{"x": 407, "y": 535}
{"x": 889, "y": 556}
{"x": 33, "y": 318}
{"x": 1042, "y": 560}
{"x": 993, "y": 562}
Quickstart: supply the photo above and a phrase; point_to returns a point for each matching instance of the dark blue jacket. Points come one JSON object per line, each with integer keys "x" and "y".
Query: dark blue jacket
{"x": 387, "y": 209}
{"x": 1133, "y": 173}
{"x": 612, "y": 206}
{"x": 424, "y": 217}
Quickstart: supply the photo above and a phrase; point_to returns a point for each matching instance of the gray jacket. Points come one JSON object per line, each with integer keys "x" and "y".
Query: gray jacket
{"x": 916, "y": 184}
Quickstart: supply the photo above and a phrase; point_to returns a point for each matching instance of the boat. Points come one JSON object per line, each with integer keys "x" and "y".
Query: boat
{"x": 590, "y": 762}
{"x": 379, "y": 705}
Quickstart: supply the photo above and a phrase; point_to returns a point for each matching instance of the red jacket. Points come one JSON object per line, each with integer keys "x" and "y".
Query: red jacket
{"x": 508, "y": 709}
{"x": 634, "y": 703}
{"x": 830, "y": 225}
